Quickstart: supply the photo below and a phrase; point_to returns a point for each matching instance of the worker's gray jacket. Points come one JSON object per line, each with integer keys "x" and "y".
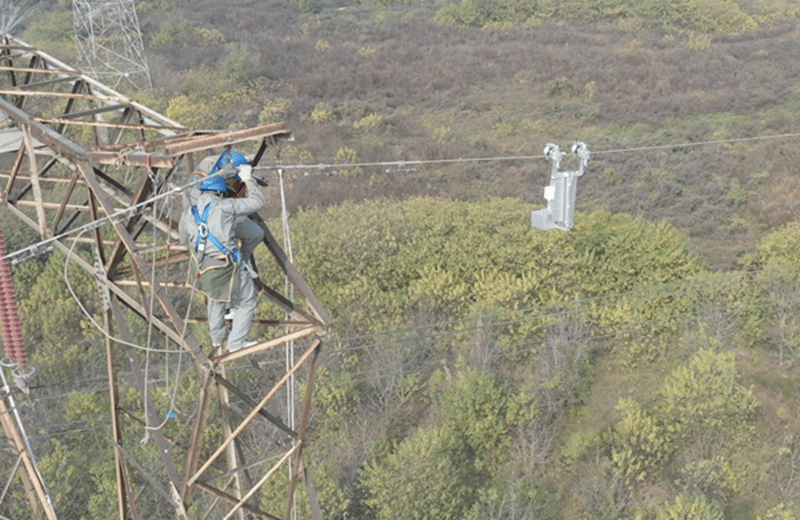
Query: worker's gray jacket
{"x": 223, "y": 215}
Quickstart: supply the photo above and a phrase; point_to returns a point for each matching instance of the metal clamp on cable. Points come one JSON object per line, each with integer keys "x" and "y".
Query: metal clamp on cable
{"x": 560, "y": 194}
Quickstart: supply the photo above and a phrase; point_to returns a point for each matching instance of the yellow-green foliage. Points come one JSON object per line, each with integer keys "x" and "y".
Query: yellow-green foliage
{"x": 322, "y": 46}
{"x": 449, "y": 256}
{"x": 336, "y": 397}
{"x": 475, "y": 408}
{"x": 638, "y": 444}
{"x": 781, "y": 247}
{"x": 703, "y": 400}
{"x": 424, "y": 477}
{"x": 191, "y": 111}
{"x": 346, "y": 155}
{"x": 210, "y": 36}
{"x": 707, "y": 417}
{"x": 323, "y": 113}
{"x": 205, "y": 107}
{"x": 186, "y": 33}
{"x": 275, "y": 110}
{"x": 688, "y": 507}
{"x": 772, "y": 289}
{"x": 636, "y": 269}
{"x": 59, "y": 342}
{"x": 784, "y": 511}
{"x": 368, "y": 124}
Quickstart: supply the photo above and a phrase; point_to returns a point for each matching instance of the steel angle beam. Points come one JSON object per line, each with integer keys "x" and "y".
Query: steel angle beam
{"x": 93, "y": 172}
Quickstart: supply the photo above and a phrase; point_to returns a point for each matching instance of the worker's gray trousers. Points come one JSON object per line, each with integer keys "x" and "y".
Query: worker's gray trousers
{"x": 250, "y": 233}
{"x": 243, "y": 308}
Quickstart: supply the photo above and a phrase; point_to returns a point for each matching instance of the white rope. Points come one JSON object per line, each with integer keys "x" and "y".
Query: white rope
{"x": 146, "y": 392}
{"x": 148, "y": 349}
{"x": 89, "y": 316}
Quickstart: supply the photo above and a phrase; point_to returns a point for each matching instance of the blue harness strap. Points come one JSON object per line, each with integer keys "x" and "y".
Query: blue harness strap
{"x": 203, "y": 234}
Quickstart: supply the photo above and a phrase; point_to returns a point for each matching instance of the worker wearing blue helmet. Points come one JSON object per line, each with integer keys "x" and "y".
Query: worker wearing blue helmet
{"x": 247, "y": 232}
{"x": 221, "y": 265}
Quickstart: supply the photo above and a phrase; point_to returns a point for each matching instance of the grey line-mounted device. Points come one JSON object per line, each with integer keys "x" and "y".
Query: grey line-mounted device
{"x": 560, "y": 194}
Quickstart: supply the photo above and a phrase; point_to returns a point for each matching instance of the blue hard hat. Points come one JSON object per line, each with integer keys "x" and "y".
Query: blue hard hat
{"x": 236, "y": 158}
{"x": 214, "y": 184}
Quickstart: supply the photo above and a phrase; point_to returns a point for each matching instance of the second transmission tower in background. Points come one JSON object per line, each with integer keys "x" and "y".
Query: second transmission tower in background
{"x": 109, "y": 42}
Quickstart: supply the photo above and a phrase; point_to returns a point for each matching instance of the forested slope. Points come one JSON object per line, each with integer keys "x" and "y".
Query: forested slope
{"x": 641, "y": 366}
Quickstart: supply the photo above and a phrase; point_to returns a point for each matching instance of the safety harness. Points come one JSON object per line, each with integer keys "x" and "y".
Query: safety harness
{"x": 203, "y": 234}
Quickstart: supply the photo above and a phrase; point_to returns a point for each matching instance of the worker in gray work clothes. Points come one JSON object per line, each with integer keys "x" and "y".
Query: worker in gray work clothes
{"x": 219, "y": 267}
{"x": 247, "y": 232}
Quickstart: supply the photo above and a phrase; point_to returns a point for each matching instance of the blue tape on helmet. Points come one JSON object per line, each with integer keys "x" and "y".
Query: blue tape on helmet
{"x": 236, "y": 158}
{"x": 214, "y": 184}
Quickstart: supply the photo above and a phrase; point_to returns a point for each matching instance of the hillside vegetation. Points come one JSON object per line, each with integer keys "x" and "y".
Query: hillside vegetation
{"x": 642, "y": 366}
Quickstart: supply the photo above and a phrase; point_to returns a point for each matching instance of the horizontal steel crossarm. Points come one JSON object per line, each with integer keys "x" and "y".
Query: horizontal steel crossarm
{"x": 100, "y": 123}
{"x": 132, "y": 159}
{"x": 93, "y": 111}
{"x": 48, "y": 82}
{"x": 269, "y": 344}
{"x": 203, "y": 142}
{"x": 52, "y": 65}
{"x": 66, "y": 95}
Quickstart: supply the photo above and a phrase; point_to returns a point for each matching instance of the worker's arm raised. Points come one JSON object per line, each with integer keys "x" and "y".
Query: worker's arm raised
{"x": 254, "y": 200}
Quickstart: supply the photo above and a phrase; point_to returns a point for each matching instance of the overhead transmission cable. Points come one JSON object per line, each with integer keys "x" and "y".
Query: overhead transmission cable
{"x": 400, "y": 164}
{"x": 176, "y": 190}
{"x": 500, "y": 158}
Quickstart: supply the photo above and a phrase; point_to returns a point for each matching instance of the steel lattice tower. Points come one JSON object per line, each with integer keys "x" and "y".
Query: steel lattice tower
{"x": 109, "y": 42}
{"x": 90, "y": 171}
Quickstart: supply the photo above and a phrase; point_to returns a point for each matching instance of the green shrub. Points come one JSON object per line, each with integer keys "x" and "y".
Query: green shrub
{"x": 275, "y": 110}
{"x": 687, "y": 507}
{"x": 427, "y": 476}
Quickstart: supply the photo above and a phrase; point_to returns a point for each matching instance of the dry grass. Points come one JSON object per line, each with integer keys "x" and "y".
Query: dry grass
{"x": 459, "y": 92}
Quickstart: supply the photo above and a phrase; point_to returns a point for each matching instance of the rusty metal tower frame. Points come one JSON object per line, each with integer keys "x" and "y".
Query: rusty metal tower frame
{"x": 109, "y": 42}
{"x": 91, "y": 161}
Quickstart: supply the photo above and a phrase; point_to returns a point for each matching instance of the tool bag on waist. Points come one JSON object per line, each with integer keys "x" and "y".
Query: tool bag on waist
{"x": 215, "y": 275}
{"x": 216, "y": 278}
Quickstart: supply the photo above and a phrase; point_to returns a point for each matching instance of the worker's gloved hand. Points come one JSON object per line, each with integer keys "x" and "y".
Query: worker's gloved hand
{"x": 245, "y": 172}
